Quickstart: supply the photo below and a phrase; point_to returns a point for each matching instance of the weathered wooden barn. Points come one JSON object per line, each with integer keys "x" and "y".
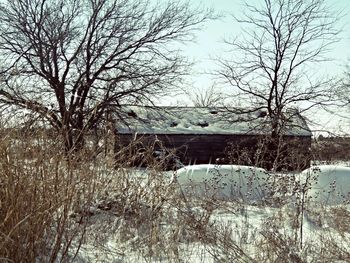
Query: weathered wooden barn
{"x": 200, "y": 135}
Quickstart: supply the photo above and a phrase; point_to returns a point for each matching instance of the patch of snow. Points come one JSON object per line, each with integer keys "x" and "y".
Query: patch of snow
{"x": 227, "y": 182}
{"x": 330, "y": 184}
{"x": 245, "y": 225}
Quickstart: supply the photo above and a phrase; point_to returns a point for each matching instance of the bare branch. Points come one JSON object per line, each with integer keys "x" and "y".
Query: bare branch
{"x": 78, "y": 57}
{"x": 281, "y": 39}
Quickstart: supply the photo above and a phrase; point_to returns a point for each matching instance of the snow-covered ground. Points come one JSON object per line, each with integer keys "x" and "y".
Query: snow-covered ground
{"x": 222, "y": 219}
{"x": 226, "y": 182}
{"x": 329, "y": 184}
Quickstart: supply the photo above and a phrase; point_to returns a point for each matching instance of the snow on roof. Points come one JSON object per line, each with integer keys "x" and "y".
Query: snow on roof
{"x": 202, "y": 120}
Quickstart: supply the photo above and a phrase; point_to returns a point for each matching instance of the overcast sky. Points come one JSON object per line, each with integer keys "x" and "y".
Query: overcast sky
{"x": 209, "y": 42}
{"x": 209, "y": 45}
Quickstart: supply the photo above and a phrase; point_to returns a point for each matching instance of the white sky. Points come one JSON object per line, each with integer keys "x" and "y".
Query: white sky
{"x": 209, "y": 45}
{"x": 209, "y": 40}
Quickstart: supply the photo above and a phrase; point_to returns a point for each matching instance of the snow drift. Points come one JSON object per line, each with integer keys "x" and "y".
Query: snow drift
{"x": 227, "y": 182}
{"x": 328, "y": 184}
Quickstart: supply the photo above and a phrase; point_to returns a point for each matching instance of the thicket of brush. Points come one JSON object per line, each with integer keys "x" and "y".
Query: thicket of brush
{"x": 39, "y": 189}
{"x": 52, "y": 206}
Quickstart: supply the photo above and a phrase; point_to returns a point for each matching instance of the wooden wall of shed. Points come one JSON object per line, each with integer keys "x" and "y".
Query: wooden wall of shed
{"x": 234, "y": 149}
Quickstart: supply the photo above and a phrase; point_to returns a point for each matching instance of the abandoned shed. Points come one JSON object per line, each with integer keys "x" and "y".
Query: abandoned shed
{"x": 215, "y": 135}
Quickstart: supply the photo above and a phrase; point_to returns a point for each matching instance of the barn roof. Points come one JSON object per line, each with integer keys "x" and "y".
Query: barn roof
{"x": 203, "y": 120}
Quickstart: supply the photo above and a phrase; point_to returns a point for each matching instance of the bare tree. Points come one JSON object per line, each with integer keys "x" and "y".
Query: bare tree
{"x": 341, "y": 110}
{"x": 271, "y": 65}
{"x": 345, "y": 86}
{"x": 69, "y": 60}
{"x": 207, "y": 98}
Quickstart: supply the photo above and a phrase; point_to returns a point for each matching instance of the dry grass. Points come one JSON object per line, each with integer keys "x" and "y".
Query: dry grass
{"x": 38, "y": 190}
{"x": 54, "y": 209}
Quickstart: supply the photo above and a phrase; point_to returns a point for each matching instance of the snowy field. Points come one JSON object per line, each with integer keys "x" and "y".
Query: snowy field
{"x": 227, "y": 214}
